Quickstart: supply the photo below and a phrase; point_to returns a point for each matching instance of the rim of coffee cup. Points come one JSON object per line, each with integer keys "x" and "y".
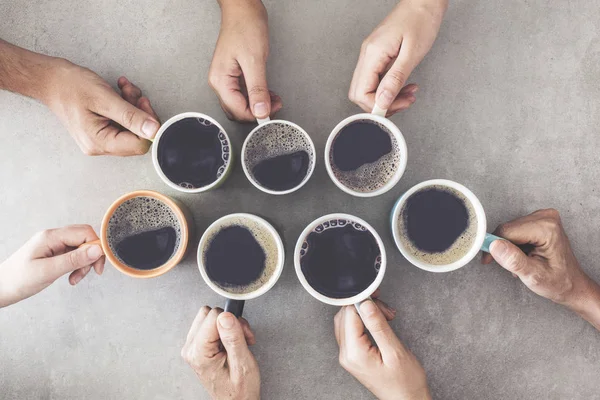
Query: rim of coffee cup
{"x": 477, "y": 243}
{"x": 156, "y": 140}
{"x": 393, "y": 129}
{"x": 248, "y": 174}
{"x": 145, "y": 273}
{"x": 365, "y": 294}
{"x": 272, "y": 280}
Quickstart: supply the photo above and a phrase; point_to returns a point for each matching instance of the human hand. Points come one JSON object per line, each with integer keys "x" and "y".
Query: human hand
{"x": 391, "y": 52}
{"x": 238, "y": 71}
{"x": 46, "y": 257}
{"x": 217, "y": 350}
{"x": 100, "y": 121}
{"x": 388, "y": 369}
{"x": 550, "y": 268}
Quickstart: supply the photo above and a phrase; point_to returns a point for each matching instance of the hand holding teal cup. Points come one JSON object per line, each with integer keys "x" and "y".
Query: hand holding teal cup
{"x": 474, "y": 240}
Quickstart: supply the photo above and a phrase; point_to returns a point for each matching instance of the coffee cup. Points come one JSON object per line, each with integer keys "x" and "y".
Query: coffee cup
{"x": 145, "y": 234}
{"x": 192, "y": 153}
{"x": 366, "y": 154}
{"x": 340, "y": 259}
{"x": 278, "y": 156}
{"x": 440, "y": 226}
{"x": 240, "y": 257}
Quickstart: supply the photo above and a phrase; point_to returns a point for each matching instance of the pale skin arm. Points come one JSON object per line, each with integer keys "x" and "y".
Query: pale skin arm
{"x": 550, "y": 269}
{"x": 99, "y": 119}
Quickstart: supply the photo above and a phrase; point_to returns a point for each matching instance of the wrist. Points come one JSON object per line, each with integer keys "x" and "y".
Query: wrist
{"x": 585, "y": 301}
{"x": 236, "y": 5}
{"x": 437, "y": 8}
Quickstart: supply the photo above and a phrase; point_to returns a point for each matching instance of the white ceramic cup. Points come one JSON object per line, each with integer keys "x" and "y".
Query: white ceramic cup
{"x": 356, "y": 299}
{"x": 482, "y": 238}
{"x": 235, "y": 301}
{"x": 159, "y": 171}
{"x": 378, "y": 116}
{"x": 261, "y": 124}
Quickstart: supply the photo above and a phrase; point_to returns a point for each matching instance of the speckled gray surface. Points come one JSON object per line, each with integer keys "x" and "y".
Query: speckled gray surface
{"x": 509, "y": 106}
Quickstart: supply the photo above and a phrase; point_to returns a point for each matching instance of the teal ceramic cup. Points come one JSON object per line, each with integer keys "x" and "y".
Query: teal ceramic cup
{"x": 482, "y": 240}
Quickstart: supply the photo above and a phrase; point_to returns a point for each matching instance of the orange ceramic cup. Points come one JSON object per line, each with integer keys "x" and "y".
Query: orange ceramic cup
{"x": 184, "y": 218}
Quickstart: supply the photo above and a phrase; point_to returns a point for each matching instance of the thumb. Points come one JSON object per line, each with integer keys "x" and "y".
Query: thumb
{"x": 255, "y": 75}
{"x": 234, "y": 342}
{"x": 78, "y": 258}
{"x": 394, "y": 80}
{"x": 131, "y": 118}
{"x": 510, "y": 257}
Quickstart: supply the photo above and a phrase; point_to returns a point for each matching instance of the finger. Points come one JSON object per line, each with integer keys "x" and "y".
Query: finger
{"x": 127, "y": 115}
{"x": 234, "y": 342}
{"x": 60, "y": 240}
{"x": 276, "y": 103}
{"x": 129, "y": 91}
{"x": 387, "y": 311}
{"x": 77, "y": 275}
{"x": 395, "y": 79}
{"x": 525, "y": 230}
{"x": 337, "y": 325}
{"x": 380, "y": 330}
{"x": 486, "y": 258}
{"x": 248, "y": 334}
{"x": 366, "y": 78}
{"x": 510, "y": 257}
{"x": 255, "y": 77}
{"x": 99, "y": 265}
{"x": 235, "y": 105}
{"x": 402, "y": 102}
{"x": 122, "y": 143}
{"x": 207, "y": 338}
{"x": 376, "y": 293}
{"x": 197, "y": 323}
{"x": 352, "y": 335}
{"x": 68, "y": 262}
{"x": 143, "y": 104}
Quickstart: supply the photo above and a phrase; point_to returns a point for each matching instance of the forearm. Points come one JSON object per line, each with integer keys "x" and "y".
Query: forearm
{"x": 587, "y": 304}
{"x": 23, "y": 71}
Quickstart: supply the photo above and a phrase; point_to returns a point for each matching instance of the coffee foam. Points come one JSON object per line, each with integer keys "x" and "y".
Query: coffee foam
{"x": 459, "y": 248}
{"x": 372, "y": 176}
{"x": 273, "y": 140}
{"x": 225, "y": 149}
{"x": 266, "y": 241}
{"x": 338, "y": 223}
{"x": 137, "y": 215}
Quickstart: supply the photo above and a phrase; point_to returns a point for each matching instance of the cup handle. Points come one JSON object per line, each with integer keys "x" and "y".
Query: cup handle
{"x": 379, "y": 111}
{"x": 93, "y": 242}
{"x": 236, "y": 307}
{"x": 357, "y": 305}
{"x": 262, "y": 120}
{"x": 489, "y": 238}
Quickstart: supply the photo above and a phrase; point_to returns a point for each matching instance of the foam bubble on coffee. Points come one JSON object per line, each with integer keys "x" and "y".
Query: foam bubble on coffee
{"x": 276, "y": 139}
{"x": 338, "y": 223}
{"x": 137, "y": 215}
{"x": 461, "y": 246}
{"x": 371, "y": 176}
{"x": 263, "y": 236}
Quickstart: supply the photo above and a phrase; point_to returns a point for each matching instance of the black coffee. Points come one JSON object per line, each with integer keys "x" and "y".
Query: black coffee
{"x": 438, "y": 224}
{"x": 278, "y": 156}
{"x": 364, "y": 156}
{"x": 148, "y": 250}
{"x": 282, "y": 172}
{"x": 193, "y": 152}
{"x": 144, "y": 233}
{"x": 239, "y": 255}
{"x": 340, "y": 258}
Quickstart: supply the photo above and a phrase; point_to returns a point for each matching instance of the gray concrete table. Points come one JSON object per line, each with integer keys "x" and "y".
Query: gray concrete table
{"x": 509, "y": 106}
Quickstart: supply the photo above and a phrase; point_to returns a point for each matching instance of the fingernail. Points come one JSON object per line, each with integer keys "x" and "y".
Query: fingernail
{"x": 368, "y": 308}
{"x": 77, "y": 279}
{"x": 414, "y": 90}
{"x": 392, "y": 309}
{"x": 498, "y": 248}
{"x": 94, "y": 252}
{"x": 260, "y": 110}
{"x": 385, "y": 99}
{"x": 149, "y": 128}
{"x": 226, "y": 320}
